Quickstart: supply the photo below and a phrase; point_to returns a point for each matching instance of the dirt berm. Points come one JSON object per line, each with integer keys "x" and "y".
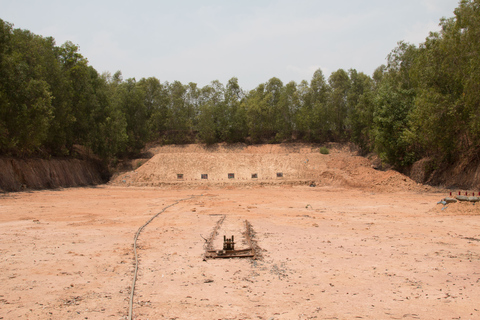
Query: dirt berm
{"x": 239, "y": 164}
{"x": 462, "y": 174}
{"x": 18, "y": 174}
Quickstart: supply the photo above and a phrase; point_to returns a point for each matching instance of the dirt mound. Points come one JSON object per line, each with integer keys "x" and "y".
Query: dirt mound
{"x": 17, "y": 174}
{"x": 197, "y": 165}
{"x": 460, "y": 208}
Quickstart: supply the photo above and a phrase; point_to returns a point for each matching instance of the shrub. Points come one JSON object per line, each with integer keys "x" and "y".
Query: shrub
{"x": 324, "y": 150}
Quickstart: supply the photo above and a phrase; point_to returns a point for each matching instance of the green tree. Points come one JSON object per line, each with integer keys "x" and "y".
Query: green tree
{"x": 304, "y": 118}
{"x": 261, "y": 107}
{"x": 236, "y": 130}
{"x": 467, "y": 30}
{"x": 323, "y": 116}
{"x": 5, "y": 51}
{"x": 25, "y": 97}
{"x": 286, "y": 112}
{"x": 208, "y": 122}
{"x": 390, "y": 119}
{"x": 339, "y": 82}
{"x": 360, "y": 101}
{"x": 378, "y": 75}
{"x": 444, "y": 120}
{"x": 130, "y": 99}
{"x": 393, "y": 102}
{"x": 257, "y": 114}
{"x": 156, "y": 105}
{"x": 79, "y": 96}
{"x": 108, "y": 131}
{"x": 314, "y": 118}
{"x": 178, "y": 121}
{"x": 277, "y": 111}
{"x": 192, "y": 104}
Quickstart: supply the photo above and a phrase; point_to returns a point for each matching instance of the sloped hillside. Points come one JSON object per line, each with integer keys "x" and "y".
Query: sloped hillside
{"x": 263, "y": 164}
{"x": 18, "y": 174}
{"x": 462, "y": 174}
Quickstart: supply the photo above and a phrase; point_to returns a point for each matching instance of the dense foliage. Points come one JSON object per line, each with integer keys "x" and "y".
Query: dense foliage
{"x": 424, "y": 102}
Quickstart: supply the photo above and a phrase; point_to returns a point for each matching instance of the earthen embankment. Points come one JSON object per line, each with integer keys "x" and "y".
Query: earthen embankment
{"x": 21, "y": 174}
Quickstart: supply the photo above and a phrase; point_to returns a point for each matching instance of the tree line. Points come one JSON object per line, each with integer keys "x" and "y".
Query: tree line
{"x": 424, "y": 101}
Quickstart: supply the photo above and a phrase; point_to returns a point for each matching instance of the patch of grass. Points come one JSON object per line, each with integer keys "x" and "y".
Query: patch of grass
{"x": 139, "y": 164}
{"x": 324, "y": 150}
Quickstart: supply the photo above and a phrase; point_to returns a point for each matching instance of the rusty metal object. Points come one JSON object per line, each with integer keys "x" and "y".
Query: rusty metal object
{"x": 229, "y": 245}
{"x": 209, "y": 241}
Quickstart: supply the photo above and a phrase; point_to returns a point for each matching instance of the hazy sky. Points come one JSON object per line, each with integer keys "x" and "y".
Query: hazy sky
{"x": 204, "y": 40}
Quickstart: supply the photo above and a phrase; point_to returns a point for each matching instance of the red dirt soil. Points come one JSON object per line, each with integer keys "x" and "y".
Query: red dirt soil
{"x": 363, "y": 244}
{"x": 22, "y": 174}
{"x": 298, "y": 163}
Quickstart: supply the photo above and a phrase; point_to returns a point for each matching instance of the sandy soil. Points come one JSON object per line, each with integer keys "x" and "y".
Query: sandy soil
{"x": 298, "y": 163}
{"x": 326, "y": 253}
{"x": 385, "y": 251}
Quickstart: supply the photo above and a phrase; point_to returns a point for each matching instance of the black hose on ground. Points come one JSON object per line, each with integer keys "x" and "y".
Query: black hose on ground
{"x": 130, "y": 312}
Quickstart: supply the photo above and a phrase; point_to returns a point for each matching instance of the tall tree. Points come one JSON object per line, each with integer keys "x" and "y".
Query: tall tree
{"x": 393, "y": 102}
{"x": 360, "y": 101}
{"x": 26, "y": 101}
{"x": 179, "y": 122}
{"x": 323, "y": 117}
{"x": 236, "y": 122}
{"x": 156, "y": 105}
{"x": 277, "y": 112}
{"x": 5, "y": 51}
{"x": 257, "y": 114}
{"x": 131, "y": 100}
{"x": 467, "y": 29}
{"x": 339, "y": 82}
{"x": 287, "y": 109}
{"x": 304, "y": 118}
{"x": 108, "y": 126}
{"x": 209, "y": 118}
{"x": 79, "y": 95}
{"x": 445, "y": 119}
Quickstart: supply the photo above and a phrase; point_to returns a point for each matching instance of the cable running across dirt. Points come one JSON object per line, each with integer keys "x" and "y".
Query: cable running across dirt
{"x": 130, "y": 312}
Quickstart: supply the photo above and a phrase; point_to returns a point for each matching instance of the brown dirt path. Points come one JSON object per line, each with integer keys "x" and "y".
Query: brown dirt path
{"x": 327, "y": 253}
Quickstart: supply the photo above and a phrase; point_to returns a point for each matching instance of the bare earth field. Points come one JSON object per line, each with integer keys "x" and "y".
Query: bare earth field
{"x": 332, "y": 251}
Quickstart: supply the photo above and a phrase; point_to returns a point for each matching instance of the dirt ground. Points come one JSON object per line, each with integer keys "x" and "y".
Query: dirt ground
{"x": 325, "y": 252}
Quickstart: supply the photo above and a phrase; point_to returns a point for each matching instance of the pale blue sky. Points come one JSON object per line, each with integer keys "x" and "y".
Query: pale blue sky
{"x": 200, "y": 41}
